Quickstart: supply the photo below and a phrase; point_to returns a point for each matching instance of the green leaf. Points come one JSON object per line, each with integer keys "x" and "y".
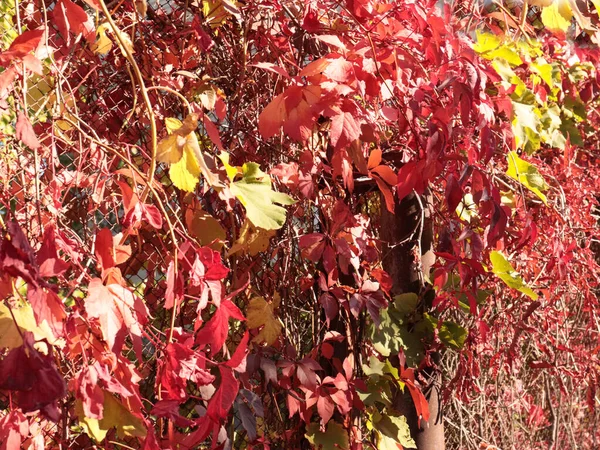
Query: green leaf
{"x": 115, "y": 415}
{"x": 526, "y": 174}
{"x": 505, "y": 271}
{"x": 452, "y": 334}
{"x": 335, "y": 438}
{"x": 254, "y": 191}
{"x": 406, "y": 303}
{"x": 391, "y": 431}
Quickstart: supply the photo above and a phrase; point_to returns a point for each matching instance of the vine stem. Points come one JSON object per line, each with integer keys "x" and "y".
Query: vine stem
{"x": 140, "y": 81}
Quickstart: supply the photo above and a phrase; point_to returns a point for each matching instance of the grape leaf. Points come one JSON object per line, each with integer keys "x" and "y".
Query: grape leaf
{"x": 260, "y": 314}
{"x": 255, "y": 192}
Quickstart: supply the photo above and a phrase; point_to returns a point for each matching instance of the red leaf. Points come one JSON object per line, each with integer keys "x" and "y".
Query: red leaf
{"x": 34, "y": 377}
{"x": 152, "y": 215}
{"x": 325, "y": 408}
{"x": 174, "y": 291}
{"x": 305, "y": 371}
{"x": 70, "y": 17}
{"x": 339, "y": 70}
{"x": 272, "y": 117}
{"x": 214, "y": 332}
{"x": 454, "y": 193}
{"x": 222, "y": 401}
{"x": 212, "y": 131}
{"x": 119, "y": 312}
{"x": 240, "y": 353}
{"x": 312, "y": 246}
{"x": 47, "y": 256}
{"x": 47, "y": 306}
{"x": 16, "y": 255}
{"x": 25, "y": 133}
{"x": 344, "y": 129}
{"x": 21, "y": 46}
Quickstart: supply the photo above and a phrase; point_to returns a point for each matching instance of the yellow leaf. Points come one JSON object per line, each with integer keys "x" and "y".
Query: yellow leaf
{"x": 115, "y": 415}
{"x": 557, "y": 18}
{"x": 526, "y": 174}
{"x": 260, "y": 314}
{"x": 252, "y": 240}
{"x": 9, "y": 334}
{"x": 103, "y": 44}
{"x": 185, "y": 173}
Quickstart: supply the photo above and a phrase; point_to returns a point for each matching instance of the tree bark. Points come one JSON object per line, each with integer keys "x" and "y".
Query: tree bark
{"x": 409, "y": 235}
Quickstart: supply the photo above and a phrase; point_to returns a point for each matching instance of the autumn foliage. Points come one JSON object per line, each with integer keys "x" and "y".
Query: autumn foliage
{"x": 193, "y": 202}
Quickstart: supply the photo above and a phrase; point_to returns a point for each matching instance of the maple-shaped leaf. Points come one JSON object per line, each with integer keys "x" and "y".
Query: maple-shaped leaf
{"x": 345, "y": 127}
{"x": 260, "y": 314}
{"x": 119, "y": 312}
{"x": 222, "y": 401}
{"x": 251, "y": 240}
{"x": 115, "y": 415}
{"x": 255, "y": 192}
{"x": 214, "y": 332}
{"x": 182, "y": 364}
{"x": 334, "y": 438}
{"x": 48, "y": 308}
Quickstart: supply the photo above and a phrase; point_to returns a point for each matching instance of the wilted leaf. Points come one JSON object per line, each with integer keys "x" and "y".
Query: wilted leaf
{"x": 505, "y": 271}
{"x": 260, "y": 314}
{"x": 206, "y": 229}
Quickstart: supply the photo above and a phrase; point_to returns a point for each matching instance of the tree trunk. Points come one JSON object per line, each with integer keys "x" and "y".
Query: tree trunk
{"x": 409, "y": 236}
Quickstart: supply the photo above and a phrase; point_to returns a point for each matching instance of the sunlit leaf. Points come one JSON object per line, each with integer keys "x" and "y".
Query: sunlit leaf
{"x": 526, "y": 174}
{"x": 255, "y": 192}
{"x": 556, "y": 18}
{"x": 505, "y": 271}
{"x": 116, "y": 415}
{"x": 391, "y": 431}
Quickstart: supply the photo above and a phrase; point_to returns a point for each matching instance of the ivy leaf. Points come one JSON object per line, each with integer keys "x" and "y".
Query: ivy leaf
{"x": 335, "y": 438}
{"x": 115, "y": 415}
{"x": 254, "y": 191}
{"x": 505, "y": 271}
{"x": 260, "y": 314}
{"x": 452, "y": 334}
{"x": 526, "y": 174}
